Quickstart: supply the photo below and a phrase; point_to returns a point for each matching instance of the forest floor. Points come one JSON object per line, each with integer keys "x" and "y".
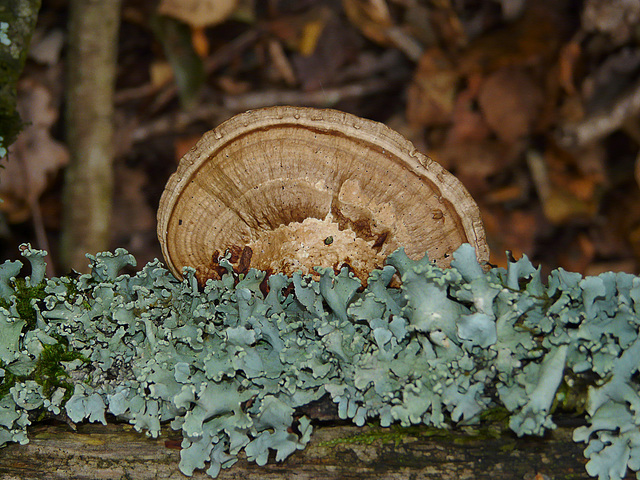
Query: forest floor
{"x": 534, "y": 105}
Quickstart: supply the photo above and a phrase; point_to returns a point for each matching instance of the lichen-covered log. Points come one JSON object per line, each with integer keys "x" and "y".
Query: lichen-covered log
{"x": 116, "y": 451}
{"x": 237, "y": 365}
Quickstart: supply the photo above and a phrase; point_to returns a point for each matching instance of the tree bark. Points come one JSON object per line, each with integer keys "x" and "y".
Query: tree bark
{"x": 19, "y": 19}
{"x": 92, "y": 54}
{"x": 116, "y": 451}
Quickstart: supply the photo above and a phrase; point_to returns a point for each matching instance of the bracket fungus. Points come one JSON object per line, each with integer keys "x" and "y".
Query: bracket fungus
{"x": 303, "y": 187}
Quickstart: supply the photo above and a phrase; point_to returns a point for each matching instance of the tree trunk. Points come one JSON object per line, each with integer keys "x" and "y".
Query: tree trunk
{"x": 116, "y": 451}
{"x": 17, "y": 22}
{"x": 93, "y": 32}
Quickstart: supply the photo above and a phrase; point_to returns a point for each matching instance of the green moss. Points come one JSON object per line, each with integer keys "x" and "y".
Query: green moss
{"x": 495, "y": 414}
{"x": 494, "y": 422}
{"x": 49, "y": 371}
{"x": 73, "y": 293}
{"x": 573, "y": 394}
{"x": 395, "y": 434}
{"x": 24, "y": 295}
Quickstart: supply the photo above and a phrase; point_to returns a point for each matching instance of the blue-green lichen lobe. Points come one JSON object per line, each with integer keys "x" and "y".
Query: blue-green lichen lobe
{"x": 229, "y": 365}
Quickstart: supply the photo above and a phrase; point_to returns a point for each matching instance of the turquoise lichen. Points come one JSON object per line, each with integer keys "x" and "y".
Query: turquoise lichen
{"x": 228, "y": 365}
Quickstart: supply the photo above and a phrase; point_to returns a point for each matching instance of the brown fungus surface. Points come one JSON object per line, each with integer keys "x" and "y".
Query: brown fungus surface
{"x": 304, "y": 187}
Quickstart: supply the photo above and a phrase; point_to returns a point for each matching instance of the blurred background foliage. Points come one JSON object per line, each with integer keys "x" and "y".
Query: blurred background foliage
{"x": 534, "y": 105}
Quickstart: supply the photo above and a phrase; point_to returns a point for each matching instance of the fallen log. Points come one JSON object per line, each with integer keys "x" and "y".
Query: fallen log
{"x": 117, "y": 451}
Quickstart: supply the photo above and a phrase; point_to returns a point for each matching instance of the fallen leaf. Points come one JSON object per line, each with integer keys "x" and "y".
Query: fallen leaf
{"x": 35, "y": 157}
{"x": 372, "y": 18}
{"x": 475, "y": 162}
{"x": 198, "y": 13}
{"x": 564, "y": 192}
{"x": 200, "y": 41}
{"x": 532, "y": 40}
{"x": 432, "y": 94}
{"x": 513, "y": 230}
{"x": 567, "y": 60}
{"x": 468, "y": 123}
{"x": 511, "y": 102}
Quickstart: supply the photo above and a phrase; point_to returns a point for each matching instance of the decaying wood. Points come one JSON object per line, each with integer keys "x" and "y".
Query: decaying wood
{"x": 116, "y": 451}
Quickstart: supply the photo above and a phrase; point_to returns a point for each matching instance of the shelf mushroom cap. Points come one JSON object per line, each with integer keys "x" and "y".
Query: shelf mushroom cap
{"x": 304, "y": 187}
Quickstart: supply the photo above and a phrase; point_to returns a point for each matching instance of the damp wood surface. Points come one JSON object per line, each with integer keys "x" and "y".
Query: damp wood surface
{"x": 117, "y": 451}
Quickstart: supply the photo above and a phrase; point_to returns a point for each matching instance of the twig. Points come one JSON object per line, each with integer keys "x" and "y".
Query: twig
{"x": 36, "y": 216}
{"x": 326, "y": 97}
{"x": 166, "y": 92}
{"x": 213, "y": 113}
{"x": 231, "y": 50}
{"x": 603, "y": 123}
{"x": 177, "y": 122}
{"x": 281, "y": 62}
{"x": 41, "y": 234}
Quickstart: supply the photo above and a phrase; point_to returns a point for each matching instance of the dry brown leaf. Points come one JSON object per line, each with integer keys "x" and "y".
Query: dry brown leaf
{"x": 198, "y": 13}
{"x": 511, "y": 102}
{"x": 567, "y": 60}
{"x": 445, "y": 21}
{"x": 532, "y": 40}
{"x": 564, "y": 191}
{"x": 513, "y": 230}
{"x": 371, "y": 17}
{"x": 468, "y": 123}
{"x": 578, "y": 255}
{"x": 200, "y": 42}
{"x": 35, "y": 157}
{"x": 47, "y": 48}
{"x": 475, "y": 162}
{"x": 432, "y": 93}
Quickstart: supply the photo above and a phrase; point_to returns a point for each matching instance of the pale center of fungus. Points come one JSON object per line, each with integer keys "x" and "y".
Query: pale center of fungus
{"x": 298, "y": 245}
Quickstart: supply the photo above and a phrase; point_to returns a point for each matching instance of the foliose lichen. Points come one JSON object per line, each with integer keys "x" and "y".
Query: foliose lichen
{"x": 230, "y": 365}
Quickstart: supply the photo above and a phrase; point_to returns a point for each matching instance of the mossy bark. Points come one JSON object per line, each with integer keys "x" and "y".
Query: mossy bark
{"x": 116, "y": 451}
{"x": 20, "y": 16}
{"x": 92, "y": 54}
